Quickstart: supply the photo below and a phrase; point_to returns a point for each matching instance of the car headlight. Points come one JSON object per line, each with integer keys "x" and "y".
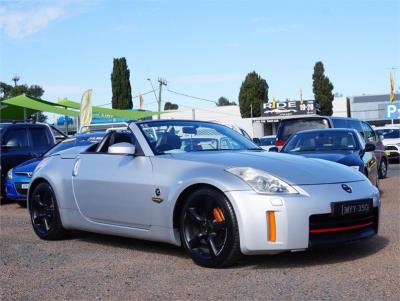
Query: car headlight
{"x": 10, "y": 174}
{"x": 261, "y": 181}
{"x": 356, "y": 168}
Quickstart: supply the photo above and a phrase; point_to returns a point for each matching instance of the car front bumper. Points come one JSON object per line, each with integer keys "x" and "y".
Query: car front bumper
{"x": 14, "y": 191}
{"x": 296, "y": 215}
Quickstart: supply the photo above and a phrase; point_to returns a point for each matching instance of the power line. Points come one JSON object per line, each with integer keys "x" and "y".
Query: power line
{"x": 191, "y": 96}
{"x": 133, "y": 97}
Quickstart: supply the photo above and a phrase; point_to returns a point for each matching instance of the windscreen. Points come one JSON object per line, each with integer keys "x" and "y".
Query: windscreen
{"x": 389, "y": 133}
{"x": 321, "y": 141}
{"x": 292, "y": 126}
{"x": 192, "y": 136}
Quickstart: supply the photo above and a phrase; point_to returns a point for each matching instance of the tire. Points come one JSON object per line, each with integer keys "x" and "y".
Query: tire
{"x": 22, "y": 203}
{"x": 382, "y": 171}
{"x": 208, "y": 229}
{"x": 45, "y": 216}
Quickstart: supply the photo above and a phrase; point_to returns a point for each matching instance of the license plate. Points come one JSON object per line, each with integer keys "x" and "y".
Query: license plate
{"x": 25, "y": 186}
{"x": 351, "y": 207}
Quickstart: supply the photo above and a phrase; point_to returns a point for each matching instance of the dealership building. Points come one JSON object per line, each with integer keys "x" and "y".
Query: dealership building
{"x": 370, "y": 108}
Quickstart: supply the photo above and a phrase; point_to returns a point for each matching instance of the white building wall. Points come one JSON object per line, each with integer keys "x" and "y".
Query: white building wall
{"x": 339, "y": 106}
{"x": 228, "y": 115}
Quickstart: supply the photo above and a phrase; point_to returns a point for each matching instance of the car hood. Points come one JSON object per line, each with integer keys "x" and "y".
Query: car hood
{"x": 343, "y": 157}
{"x": 290, "y": 168}
{"x": 388, "y": 141}
{"x": 28, "y": 166}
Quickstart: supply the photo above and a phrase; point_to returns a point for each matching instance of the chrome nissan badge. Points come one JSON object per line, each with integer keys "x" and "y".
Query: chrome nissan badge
{"x": 347, "y": 188}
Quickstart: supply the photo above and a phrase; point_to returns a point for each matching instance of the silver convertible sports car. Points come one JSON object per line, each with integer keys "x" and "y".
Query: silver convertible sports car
{"x": 219, "y": 197}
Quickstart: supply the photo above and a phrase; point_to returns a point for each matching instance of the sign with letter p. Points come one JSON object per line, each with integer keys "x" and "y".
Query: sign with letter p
{"x": 392, "y": 111}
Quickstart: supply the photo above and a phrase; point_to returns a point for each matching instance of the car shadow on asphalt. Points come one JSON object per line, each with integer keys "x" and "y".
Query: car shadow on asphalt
{"x": 321, "y": 256}
{"x": 129, "y": 243}
{"x": 313, "y": 257}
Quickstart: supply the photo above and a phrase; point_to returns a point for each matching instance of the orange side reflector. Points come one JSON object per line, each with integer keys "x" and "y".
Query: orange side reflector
{"x": 218, "y": 215}
{"x": 271, "y": 226}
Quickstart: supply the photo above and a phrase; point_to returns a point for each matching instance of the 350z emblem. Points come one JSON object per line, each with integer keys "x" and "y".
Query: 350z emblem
{"x": 157, "y": 198}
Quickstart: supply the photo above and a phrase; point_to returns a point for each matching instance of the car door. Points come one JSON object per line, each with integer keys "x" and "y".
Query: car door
{"x": 41, "y": 140}
{"x": 115, "y": 189}
{"x": 371, "y": 137}
{"x": 15, "y": 148}
{"x": 370, "y": 161}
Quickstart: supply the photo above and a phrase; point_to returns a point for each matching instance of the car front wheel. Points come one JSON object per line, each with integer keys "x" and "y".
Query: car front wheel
{"x": 383, "y": 169}
{"x": 209, "y": 230}
{"x": 44, "y": 213}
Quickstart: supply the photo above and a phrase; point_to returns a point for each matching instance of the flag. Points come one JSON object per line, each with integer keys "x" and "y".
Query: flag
{"x": 86, "y": 109}
{"x": 141, "y": 102}
{"x": 391, "y": 87}
{"x": 301, "y": 97}
{"x": 273, "y": 102}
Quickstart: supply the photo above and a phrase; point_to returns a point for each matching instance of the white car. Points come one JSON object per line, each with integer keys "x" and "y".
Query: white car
{"x": 267, "y": 142}
{"x": 391, "y": 141}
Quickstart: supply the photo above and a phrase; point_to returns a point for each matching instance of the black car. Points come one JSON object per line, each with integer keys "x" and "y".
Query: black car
{"x": 344, "y": 146}
{"x": 290, "y": 126}
{"x": 21, "y": 141}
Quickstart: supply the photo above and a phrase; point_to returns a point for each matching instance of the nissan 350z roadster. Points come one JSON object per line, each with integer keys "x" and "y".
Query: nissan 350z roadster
{"x": 202, "y": 186}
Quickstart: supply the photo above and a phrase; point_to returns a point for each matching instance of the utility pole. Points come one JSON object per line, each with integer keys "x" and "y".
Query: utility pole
{"x": 251, "y": 110}
{"x": 162, "y": 82}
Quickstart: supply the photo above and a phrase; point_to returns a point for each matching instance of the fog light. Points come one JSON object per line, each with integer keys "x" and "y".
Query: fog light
{"x": 271, "y": 226}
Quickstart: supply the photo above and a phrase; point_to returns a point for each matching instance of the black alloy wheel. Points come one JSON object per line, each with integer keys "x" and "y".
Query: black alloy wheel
{"x": 209, "y": 230}
{"x": 44, "y": 213}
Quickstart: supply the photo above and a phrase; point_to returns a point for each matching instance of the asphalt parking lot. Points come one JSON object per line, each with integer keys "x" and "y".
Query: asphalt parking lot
{"x": 98, "y": 267}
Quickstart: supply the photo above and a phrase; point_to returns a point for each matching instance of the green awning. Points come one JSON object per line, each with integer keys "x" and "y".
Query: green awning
{"x": 10, "y": 112}
{"x": 101, "y": 112}
{"x": 38, "y": 105}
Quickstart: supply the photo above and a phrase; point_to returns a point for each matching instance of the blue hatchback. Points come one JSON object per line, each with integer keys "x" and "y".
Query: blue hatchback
{"x": 18, "y": 178}
{"x": 344, "y": 146}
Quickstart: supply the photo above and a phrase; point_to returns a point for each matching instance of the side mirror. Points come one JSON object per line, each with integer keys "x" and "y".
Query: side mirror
{"x": 122, "y": 148}
{"x": 273, "y": 149}
{"x": 256, "y": 141}
{"x": 369, "y": 147}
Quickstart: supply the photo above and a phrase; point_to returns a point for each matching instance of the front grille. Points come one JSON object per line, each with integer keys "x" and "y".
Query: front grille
{"x": 391, "y": 147}
{"x": 24, "y": 174}
{"x": 329, "y": 229}
{"x": 20, "y": 190}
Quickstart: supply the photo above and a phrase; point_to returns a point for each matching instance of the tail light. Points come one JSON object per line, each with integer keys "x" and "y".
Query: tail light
{"x": 279, "y": 143}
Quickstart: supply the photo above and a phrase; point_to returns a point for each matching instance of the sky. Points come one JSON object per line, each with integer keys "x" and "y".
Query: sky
{"x": 202, "y": 48}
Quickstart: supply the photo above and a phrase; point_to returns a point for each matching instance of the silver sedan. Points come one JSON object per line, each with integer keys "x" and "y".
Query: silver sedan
{"x": 219, "y": 196}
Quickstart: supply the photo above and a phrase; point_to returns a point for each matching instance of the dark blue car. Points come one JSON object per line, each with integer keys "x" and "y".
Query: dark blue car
{"x": 18, "y": 178}
{"x": 344, "y": 146}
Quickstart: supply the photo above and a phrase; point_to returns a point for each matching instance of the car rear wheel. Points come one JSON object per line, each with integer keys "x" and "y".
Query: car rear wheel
{"x": 209, "y": 230}
{"x": 383, "y": 169}
{"x": 44, "y": 213}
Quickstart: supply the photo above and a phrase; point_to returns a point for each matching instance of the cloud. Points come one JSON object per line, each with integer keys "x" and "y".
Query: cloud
{"x": 21, "y": 19}
{"x": 206, "y": 78}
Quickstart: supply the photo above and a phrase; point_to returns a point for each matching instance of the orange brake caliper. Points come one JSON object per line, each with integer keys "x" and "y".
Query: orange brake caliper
{"x": 218, "y": 216}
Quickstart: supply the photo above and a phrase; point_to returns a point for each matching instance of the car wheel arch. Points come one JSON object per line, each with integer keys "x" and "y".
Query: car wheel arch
{"x": 183, "y": 196}
{"x": 33, "y": 185}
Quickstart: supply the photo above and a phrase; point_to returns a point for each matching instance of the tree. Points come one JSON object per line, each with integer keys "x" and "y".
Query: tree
{"x": 7, "y": 91}
{"x": 253, "y": 92}
{"x": 121, "y": 86}
{"x": 170, "y": 106}
{"x": 222, "y": 101}
{"x": 322, "y": 88}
